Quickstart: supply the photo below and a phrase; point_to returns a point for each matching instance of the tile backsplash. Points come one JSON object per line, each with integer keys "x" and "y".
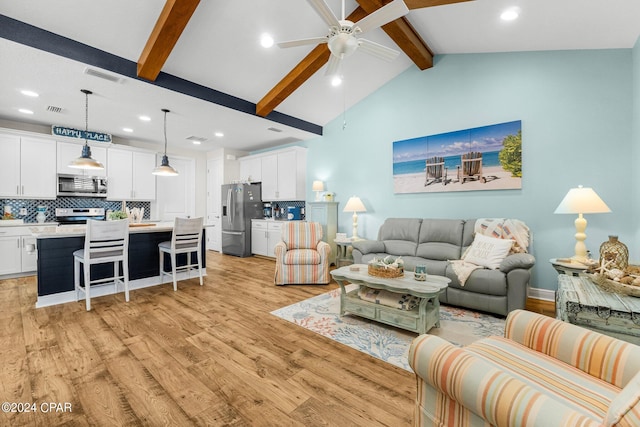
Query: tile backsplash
{"x": 67, "y": 202}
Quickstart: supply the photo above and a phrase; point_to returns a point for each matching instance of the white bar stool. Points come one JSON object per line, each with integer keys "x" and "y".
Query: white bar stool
{"x": 105, "y": 242}
{"x": 186, "y": 239}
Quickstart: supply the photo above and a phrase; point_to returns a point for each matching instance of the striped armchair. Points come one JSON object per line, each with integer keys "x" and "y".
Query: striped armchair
{"x": 302, "y": 257}
{"x": 544, "y": 372}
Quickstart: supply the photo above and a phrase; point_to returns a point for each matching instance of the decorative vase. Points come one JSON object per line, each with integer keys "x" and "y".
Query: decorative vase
{"x": 615, "y": 250}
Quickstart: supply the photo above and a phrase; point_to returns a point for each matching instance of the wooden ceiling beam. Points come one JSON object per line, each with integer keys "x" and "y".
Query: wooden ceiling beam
{"x": 419, "y": 4}
{"x": 172, "y": 21}
{"x": 300, "y": 74}
{"x": 400, "y": 30}
{"x": 404, "y": 35}
{"x": 294, "y": 79}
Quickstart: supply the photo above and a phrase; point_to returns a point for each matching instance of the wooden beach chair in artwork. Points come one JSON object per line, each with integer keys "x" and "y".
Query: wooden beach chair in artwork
{"x": 470, "y": 167}
{"x": 435, "y": 171}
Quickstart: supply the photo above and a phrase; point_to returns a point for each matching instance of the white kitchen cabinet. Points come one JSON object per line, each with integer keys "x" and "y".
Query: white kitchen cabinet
{"x": 29, "y": 254}
{"x": 265, "y": 235}
{"x": 251, "y": 169}
{"x": 68, "y": 151}
{"x": 282, "y": 173}
{"x": 28, "y": 167}
{"x": 259, "y": 244}
{"x": 17, "y": 254}
{"x": 129, "y": 175}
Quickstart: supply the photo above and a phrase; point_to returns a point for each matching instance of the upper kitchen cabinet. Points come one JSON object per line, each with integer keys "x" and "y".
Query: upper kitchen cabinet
{"x": 282, "y": 173}
{"x": 129, "y": 175}
{"x": 69, "y": 151}
{"x": 251, "y": 169}
{"x": 28, "y": 167}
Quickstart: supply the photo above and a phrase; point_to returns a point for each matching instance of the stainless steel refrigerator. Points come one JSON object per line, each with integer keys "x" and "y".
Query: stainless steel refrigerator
{"x": 240, "y": 204}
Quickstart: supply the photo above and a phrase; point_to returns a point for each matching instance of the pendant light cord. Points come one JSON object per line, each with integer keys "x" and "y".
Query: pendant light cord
{"x": 165, "y": 131}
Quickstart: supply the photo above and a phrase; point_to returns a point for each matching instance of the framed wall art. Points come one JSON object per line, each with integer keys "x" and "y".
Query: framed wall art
{"x": 482, "y": 158}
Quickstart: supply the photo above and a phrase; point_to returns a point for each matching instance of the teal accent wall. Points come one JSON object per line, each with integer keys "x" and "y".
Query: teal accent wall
{"x": 635, "y": 172}
{"x": 576, "y": 112}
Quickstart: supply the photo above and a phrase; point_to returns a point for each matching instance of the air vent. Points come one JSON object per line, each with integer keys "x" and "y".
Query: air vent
{"x": 95, "y": 73}
{"x": 54, "y": 109}
{"x": 197, "y": 139}
{"x": 274, "y": 129}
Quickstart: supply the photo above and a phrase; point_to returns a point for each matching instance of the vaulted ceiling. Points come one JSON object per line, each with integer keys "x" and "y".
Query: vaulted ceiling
{"x": 203, "y": 61}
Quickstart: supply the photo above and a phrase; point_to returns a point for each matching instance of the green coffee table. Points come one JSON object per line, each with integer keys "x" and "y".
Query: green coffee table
{"x": 423, "y": 317}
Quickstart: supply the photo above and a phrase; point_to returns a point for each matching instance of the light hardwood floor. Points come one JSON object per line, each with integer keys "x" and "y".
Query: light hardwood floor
{"x": 210, "y": 355}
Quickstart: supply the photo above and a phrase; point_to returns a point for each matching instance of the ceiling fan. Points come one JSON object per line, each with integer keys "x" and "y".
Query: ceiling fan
{"x": 342, "y": 37}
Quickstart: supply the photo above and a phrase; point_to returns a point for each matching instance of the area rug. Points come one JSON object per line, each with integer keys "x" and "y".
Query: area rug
{"x": 321, "y": 314}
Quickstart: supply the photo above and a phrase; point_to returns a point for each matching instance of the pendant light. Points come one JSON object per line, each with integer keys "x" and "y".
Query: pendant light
{"x": 85, "y": 161}
{"x": 165, "y": 169}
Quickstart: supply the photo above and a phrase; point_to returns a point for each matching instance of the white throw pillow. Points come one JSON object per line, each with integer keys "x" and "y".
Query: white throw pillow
{"x": 487, "y": 251}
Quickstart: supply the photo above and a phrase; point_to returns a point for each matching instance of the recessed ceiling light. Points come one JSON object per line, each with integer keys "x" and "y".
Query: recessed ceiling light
{"x": 336, "y": 81}
{"x": 25, "y": 111}
{"x": 197, "y": 142}
{"x": 145, "y": 118}
{"x": 219, "y": 134}
{"x": 30, "y": 93}
{"x": 510, "y": 14}
{"x": 127, "y": 130}
{"x": 266, "y": 40}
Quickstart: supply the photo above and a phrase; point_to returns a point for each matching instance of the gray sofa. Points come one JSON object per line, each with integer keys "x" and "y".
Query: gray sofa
{"x": 433, "y": 242}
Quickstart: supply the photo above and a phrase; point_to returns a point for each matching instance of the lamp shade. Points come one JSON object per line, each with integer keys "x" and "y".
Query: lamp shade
{"x": 582, "y": 200}
{"x": 317, "y": 186}
{"x": 354, "y": 204}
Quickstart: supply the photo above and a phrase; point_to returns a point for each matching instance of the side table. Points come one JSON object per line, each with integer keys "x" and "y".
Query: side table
{"x": 582, "y": 302}
{"x": 343, "y": 253}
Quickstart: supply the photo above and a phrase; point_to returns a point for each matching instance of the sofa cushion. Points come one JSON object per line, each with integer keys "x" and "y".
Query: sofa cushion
{"x": 481, "y": 281}
{"x": 433, "y": 267}
{"x": 400, "y": 236}
{"x": 625, "y": 408}
{"x": 440, "y": 239}
{"x": 302, "y": 257}
{"x": 488, "y": 251}
{"x": 566, "y": 384}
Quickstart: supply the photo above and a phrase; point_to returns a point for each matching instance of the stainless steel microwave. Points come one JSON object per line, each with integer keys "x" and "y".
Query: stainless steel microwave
{"x": 82, "y": 186}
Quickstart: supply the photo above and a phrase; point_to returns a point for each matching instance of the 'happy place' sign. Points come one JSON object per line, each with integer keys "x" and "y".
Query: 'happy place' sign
{"x": 81, "y": 134}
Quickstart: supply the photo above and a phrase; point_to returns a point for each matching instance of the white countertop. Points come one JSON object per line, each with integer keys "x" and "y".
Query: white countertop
{"x": 19, "y": 223}
{"x": 59, "y": 231}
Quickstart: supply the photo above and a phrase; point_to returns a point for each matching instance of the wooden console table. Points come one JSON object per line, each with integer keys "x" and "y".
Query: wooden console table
{"x": 582, "y": 302}
{"x": 422, "y": 318}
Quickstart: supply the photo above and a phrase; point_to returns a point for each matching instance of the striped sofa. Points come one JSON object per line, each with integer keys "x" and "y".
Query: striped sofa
{"x": 301, "y": 256}
{"x": 543, "y": 372}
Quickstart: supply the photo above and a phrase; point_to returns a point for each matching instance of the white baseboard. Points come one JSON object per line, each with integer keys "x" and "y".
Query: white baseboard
{"x": 109, "y": 289}
{"x": 541, "y": 294}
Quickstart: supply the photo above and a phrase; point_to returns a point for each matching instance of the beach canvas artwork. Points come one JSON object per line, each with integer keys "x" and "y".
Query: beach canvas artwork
{"x": 482, "y": 158}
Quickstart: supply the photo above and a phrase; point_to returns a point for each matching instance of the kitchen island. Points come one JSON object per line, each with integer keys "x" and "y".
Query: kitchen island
{"x": 55, "y": 246}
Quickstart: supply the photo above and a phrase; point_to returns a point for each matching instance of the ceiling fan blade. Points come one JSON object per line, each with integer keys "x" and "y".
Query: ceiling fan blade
{"x": 303, "y": 42}
{"x": 327, "y": 15}
{"x": 385, "y": 14}
{"x": 377, "y": 50}
{"x": 333, "y": 66}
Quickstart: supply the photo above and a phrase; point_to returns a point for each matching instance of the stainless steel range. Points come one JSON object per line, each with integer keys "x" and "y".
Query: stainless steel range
{"x": 66, "y": 216}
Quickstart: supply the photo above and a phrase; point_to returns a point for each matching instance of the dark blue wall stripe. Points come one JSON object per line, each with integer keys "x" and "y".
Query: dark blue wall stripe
{"x": 23, "y": 33}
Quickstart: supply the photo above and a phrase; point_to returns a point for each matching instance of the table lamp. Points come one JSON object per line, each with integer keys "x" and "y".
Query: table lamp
{"x": 318, "y": 187}
{"x": 354, "y": 204}
{"x": 581, "y": 201}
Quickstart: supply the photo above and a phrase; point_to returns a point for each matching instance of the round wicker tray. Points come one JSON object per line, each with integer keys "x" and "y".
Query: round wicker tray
{"x": 613, "y": 286}
{"x": 385, "y": 272}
